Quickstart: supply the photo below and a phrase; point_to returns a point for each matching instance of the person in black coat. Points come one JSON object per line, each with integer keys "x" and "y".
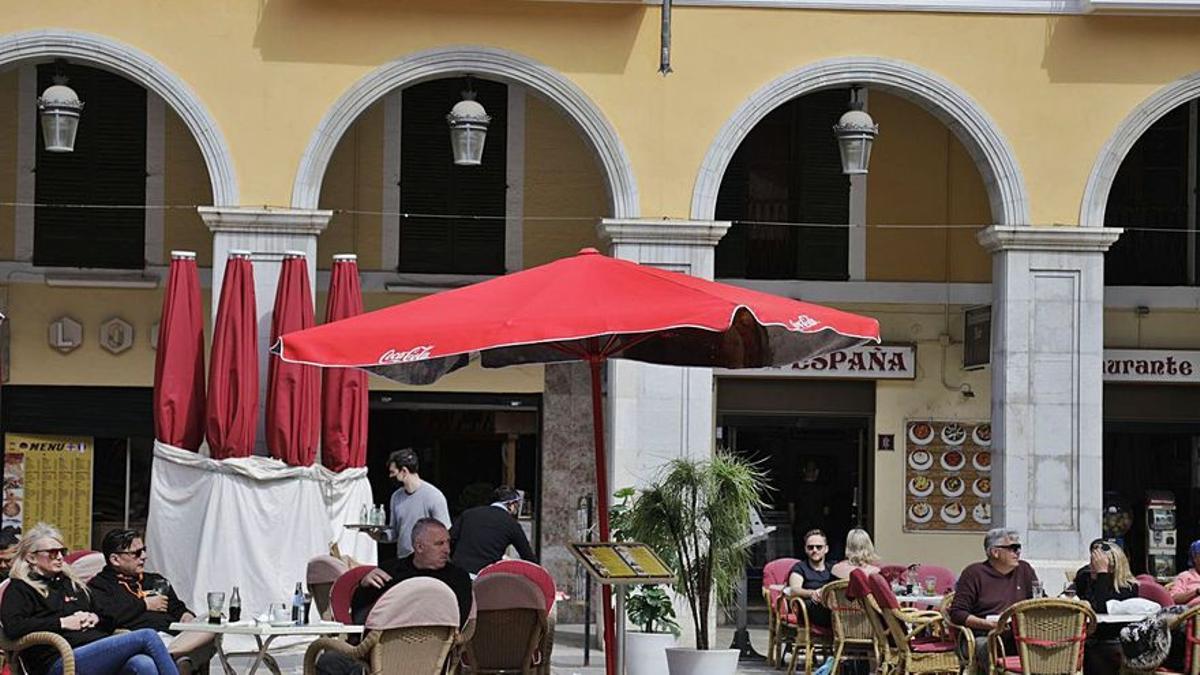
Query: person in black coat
{"x": 482, "y": 534}
{"x": 1106, "y": 577}
{"x": 44, "y": 594}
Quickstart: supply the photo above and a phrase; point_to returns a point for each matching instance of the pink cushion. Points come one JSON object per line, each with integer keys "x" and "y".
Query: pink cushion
{"x": 507, "y": 591}
{"x": 931, "y": 646}
{"x": 420, "y": 601}
{"x": 88, "y": 565}
{"x": 71, "y": 557}
{"x": 891, "y": 572}
{"x": 1150, "y": 589}
{"x": 945, "y": 577}
{"x": 324, "y": 569}
{"x": 343, "y": 591}
{"x": 531, "y": 571}
{"x": 776, "y": 571}
{"x": 881, "y": 590}
{"x": 860, "y": 586}
{"x": 1010, "y": 663}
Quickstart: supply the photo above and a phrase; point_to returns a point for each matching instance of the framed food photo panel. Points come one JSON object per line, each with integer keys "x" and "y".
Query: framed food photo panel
{"x": 947, "y": 476}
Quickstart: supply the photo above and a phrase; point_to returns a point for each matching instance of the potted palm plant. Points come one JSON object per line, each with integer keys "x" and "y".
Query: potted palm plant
{"x": 697, "y": 514}
{"x": 647, "y": 607}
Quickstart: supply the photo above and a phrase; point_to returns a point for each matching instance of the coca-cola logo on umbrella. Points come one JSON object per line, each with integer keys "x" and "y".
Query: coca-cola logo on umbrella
{"x": 418, "y": 353}
{"x": 803, "y": 323}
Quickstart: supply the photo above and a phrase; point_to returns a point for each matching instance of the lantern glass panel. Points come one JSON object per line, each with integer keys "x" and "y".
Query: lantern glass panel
{"x": 58, "y": 130}
{"x": 467, "y": 143}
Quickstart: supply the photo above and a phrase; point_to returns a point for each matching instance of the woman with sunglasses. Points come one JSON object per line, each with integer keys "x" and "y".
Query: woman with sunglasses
{"x": 45, "y": 594}
{"x": 1106, "y": 577}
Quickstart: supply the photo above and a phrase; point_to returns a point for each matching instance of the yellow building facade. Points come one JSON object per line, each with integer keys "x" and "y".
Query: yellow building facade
{"x": 1004, "y": 126}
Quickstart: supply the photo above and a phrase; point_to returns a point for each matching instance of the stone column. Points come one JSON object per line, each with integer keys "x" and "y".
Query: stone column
{"x": 1047, "y": 389}
{"x": 267, "y": 233}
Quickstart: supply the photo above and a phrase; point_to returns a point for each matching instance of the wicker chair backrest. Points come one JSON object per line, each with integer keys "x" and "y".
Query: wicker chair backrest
{"x": 850, "y": 620}
{"x": 1049, "y": 634}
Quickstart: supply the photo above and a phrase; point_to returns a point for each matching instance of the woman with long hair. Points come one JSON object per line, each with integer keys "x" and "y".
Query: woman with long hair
{"x": 1106, "y": 577}
{"x": 45, "y": 594}
{"x": 860, "y": 553}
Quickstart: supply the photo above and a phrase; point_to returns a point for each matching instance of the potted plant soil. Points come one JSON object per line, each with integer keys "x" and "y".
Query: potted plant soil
{"x": 696, "y": 515}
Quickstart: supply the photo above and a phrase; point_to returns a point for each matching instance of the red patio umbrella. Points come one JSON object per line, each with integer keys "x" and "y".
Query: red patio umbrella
{"x": 587, "y": 307}
{"x": 179, "y": 361}
{"x": 343, "y": 390}
{"x": 293, "y": 390}
{"x": 233, "y": 371}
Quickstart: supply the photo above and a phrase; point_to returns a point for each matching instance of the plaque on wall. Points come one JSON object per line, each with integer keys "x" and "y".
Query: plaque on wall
{"x": 947, "y": 476}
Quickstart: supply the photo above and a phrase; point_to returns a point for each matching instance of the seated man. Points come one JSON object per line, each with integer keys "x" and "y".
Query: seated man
{"x": 990, "y": 587}
{"x": 430, "y": 558}
{"x": 8, "y": 547}
{"x": 133, "y": 598}
{"x": 482, "y": 534}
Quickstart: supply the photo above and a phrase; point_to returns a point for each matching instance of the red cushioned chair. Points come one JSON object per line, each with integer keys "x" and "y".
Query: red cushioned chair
{"x": 343, "y": 591}
{"x": 775, "y": 573}
{"x": 918, "y": 641}
{"x": 1049, "y": 634}
{"x": 1150, "y": 589}
{"x": 540, "y": 577}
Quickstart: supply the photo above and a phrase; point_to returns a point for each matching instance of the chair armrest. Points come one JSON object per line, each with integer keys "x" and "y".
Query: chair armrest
{"x": 799, "y": 609}
{"x": 357, "y": 652}
{"x": 966, "y": 638}
{"x": 48, "y": 639}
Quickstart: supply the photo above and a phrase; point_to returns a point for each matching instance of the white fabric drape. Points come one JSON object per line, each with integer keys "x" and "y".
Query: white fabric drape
{"x": 251, "y": 522}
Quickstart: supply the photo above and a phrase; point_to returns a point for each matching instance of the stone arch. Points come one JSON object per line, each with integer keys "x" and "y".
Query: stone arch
{"x": 1136, "y": 123}
{"x": 979, "y": 134}
{"x": 117, "y": 57}
{"x": 487, "y": 62}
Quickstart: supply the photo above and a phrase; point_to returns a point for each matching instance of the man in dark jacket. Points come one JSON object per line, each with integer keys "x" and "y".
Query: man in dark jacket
{"x": 482, "y": 534}
{"x": 133, "y": 598}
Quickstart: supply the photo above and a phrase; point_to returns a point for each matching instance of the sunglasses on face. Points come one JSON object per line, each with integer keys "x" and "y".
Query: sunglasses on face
{"x": 137, "y": 553}
{"x": 1015, "y": 548}
{"x": 1102, "y": 547}
{"x": 53, "y": 552}
{"x": 814, "y": 547}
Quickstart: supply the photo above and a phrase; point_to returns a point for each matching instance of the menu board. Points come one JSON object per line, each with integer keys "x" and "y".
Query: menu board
{"x": 624, "y": 563}
{"x": 49, "y": 479}
{"x": 947, "y": 476}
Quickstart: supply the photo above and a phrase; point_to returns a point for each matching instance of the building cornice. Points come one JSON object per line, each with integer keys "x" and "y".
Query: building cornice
{"x": 264, "y": 220}
{"x": 674, "y": 232}
{"x": 1057, "y": 238}
{"x": 1068, "y": 7}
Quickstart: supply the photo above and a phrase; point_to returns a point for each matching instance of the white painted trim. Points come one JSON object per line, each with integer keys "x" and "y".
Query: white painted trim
{"x": 514, "y": 195}
{"x": 389, "y": 222}
{"x": 98, "y": 281}
{"x": 498, "y": 64}
{"x": 27, "y": 131}
{"x": 156, "y": 110}
{"x": 118, "y": 57}
{"x": 1127, "y": 133}
{"x": 1021, "y": 238}
{"x": 1154, "y": 297}
{"x": 1143, "y": 6}
{"x": 702, "y": 233}
{"x": 872, "y": 292}
{"x": 265, "y": 220}
{"x": 981, "y": 136}
{"x": 946, "y": 6}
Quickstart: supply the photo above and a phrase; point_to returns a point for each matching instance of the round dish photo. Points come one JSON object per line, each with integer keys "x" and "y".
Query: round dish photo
{"x": 982, "y": 435}
{"x": 954, "y": 434}
{"x": 982, "y": 487}
{"x": 920, "y": 459}
{"x": 982, "y": 514}
{"x": 920, "y": 433}
{"x": 920, "y": 486}
{"x": 953, "y": 460}
{"x": 953, "y": 513}
{"x": 982, "y": 461}
{"x": 920, "y": 512}
{"x": 953, "y": 486}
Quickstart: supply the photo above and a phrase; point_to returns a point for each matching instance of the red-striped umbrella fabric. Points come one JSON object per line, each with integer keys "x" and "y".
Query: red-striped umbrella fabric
{"x": 293, "y": 389}
{"x": 343, "y": 390}
{"x": 233, "y": 369}
{"x": 588, "y": 307}
{"x": 179, "y": 361}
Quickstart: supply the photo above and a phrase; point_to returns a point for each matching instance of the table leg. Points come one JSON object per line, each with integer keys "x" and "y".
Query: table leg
{"x": 222, "y": 657}
{"x": 263, "y": 656}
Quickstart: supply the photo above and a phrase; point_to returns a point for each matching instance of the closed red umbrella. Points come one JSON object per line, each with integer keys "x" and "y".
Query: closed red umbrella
{"x": 233, "y": 370}
{"x": 587, "y": 307}
{"x": 343, "y": 390}
{"x": 179, "y": 361}
{"x": 293, "y": 389}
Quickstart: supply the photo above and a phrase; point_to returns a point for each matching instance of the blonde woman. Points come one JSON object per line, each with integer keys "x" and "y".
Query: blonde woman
{"x": 1105, "y": 577}
{"x": 860, "y": 554}
{"x": 44, "y": 594}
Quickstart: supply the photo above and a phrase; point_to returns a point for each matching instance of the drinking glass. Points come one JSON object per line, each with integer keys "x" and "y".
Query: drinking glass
{"x": 1038, "y": 591}
{"x": 930, "y": 585}
{"x": 307, "y": 608}
{"x": 280, "y": 613}
{"x": 216, "y": 604}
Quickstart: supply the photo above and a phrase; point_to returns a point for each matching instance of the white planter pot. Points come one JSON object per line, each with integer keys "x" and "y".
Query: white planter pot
{"x": 682, "y": 661}
{"x": 645, "y": 653}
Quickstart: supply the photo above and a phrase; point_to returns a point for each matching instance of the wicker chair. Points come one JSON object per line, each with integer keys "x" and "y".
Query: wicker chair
{"x": 775, "y": 573}
{"x": 539, "y": 576}
{"x": 806, "y": 635}
{"x": 342, "y": 592}
{"x": 1049, "y": 634}
{"x": 410, "y": 631}
{"x": 12, "y": 648}
{"x": 917, "y": 641}
{"x": 510, "y": 623}
{"x": 851, "y": 626}
{"x": 320, "y": 574}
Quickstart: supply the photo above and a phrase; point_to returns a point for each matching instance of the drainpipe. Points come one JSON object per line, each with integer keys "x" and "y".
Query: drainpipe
{"x": 664, "y": 60}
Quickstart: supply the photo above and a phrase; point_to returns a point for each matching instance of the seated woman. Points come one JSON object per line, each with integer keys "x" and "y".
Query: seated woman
{"x": 809, "y": 575}
{"x": 45, "y": 595}
{"x": 1106, "y": 577}
{"x": 860, "y": 553}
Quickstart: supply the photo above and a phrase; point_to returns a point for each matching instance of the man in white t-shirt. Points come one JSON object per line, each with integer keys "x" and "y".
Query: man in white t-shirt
{"x": 413, "y": 500}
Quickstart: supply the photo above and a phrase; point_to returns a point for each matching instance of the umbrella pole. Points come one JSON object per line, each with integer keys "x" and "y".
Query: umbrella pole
{"x": 610, "y": 634}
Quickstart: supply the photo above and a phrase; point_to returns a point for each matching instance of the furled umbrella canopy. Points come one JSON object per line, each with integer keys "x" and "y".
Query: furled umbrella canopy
{"x": 233, "y": 369}
{"x": 343, "y": 390}
{"x": 293, "y": 389}
{"x": 179, "y": 362}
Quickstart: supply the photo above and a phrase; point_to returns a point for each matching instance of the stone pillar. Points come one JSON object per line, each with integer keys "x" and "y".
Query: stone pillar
{"x": 1047, "y": 389}
{"x": 267, "y": 233}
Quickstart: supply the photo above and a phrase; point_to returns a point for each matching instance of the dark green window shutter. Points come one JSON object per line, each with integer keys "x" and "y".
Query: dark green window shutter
{"x": 787, "y": 169}
{"x": 108, "y": 167}
{"x": 430, "y": 183}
